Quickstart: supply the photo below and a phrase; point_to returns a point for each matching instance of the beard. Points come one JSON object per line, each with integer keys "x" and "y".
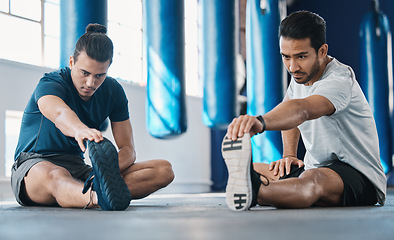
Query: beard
{"x": 307, "y": 77}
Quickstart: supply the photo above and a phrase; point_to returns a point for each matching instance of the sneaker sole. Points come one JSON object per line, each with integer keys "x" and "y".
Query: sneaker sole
{"x": 104, "y": 158}
{"x": 237, "y": 156}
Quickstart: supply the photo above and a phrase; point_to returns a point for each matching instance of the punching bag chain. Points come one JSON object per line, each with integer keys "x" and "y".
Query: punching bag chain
{"x": 263, "y": 6}
{"x": 375, "y": 7}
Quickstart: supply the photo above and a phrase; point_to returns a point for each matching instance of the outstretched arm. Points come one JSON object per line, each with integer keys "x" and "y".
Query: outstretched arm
{"x": 287, "y": 115}
{"x": 65, "y": 119}
{"x": 291, "y": 113}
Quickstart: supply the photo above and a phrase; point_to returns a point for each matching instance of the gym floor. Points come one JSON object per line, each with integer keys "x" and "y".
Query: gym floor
{"x": 196, "y": 216}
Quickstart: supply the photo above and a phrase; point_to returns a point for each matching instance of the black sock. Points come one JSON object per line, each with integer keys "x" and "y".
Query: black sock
{"x": 256, "y": 182}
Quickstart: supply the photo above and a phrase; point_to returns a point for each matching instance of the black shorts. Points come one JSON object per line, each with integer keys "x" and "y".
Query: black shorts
{"x": 357, "y": 189}
{"x": 74, "y": 164}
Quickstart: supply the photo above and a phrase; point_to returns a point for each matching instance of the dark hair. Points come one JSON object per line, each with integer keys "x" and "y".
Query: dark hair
{"x": 95, "y": 43}
{"x": 304, "y": 24}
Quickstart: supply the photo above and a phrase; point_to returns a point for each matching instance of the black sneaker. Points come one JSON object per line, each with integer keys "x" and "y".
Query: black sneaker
{"x": 238, "y": 157}
{"x": 112, "y": 192}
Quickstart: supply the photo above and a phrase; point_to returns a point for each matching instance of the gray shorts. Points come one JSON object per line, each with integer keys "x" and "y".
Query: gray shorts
{"x": 74, "y": 164}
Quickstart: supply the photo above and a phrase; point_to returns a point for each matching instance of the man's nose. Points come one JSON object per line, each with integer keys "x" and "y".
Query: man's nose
{"x": 90, "y": 81}
{"x": 294, "y": 66}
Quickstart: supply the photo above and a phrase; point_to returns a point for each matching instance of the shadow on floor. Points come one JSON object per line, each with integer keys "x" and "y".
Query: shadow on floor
{"x": 196, "y": 216}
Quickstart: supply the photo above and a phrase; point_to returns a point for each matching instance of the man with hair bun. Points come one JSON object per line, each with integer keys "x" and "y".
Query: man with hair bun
{"x": 325, "y": 105}
{"x": 64, "y": 117}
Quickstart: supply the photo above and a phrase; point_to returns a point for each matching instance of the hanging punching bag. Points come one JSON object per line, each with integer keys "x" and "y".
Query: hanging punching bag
{"x": 218, "y": 48}
{"x": 376, "y": 76}
{"x": 75, "y": 16}
{"x": 164, "y": 45}
{"x": 266, "y": 78}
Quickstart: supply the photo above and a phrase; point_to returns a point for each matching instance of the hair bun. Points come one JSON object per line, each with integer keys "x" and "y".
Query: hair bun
{"x": 96, "y": 28}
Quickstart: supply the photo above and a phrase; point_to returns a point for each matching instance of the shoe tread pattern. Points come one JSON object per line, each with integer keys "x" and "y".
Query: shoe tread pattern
{"x": 105, "y": 163}
{"x": 237, "y": 156}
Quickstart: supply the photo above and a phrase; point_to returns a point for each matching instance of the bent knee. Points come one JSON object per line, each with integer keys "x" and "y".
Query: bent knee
{"x": 57, "y": 176}
{"x": 165, "y": 172}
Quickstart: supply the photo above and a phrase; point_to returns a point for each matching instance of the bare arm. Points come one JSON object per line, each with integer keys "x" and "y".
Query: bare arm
{"x": 287, "y": 115}
{"x": 65, "y": 119}
{"x": 290, "y": 140}
{"x": 123, "y": 136}
{"x": 291, "y": 113}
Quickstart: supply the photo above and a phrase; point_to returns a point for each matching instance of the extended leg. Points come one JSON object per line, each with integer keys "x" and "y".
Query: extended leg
{"x": 320, "y": 186}
{"x": 48, "y": 184}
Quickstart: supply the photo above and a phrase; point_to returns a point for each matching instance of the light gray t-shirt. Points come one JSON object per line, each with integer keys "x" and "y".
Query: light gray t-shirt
{"x": 349, "y": 134}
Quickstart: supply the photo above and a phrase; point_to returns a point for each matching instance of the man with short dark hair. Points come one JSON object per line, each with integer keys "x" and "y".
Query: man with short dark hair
{"x": 325, "y": 105}
{"x": 68, "y": 109}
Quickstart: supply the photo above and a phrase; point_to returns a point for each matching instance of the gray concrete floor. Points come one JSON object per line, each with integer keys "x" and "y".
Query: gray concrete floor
{"x": 196, "y": 216}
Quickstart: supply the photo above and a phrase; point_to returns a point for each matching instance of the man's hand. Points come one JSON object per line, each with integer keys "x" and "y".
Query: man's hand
{"x": 243, "y": 124}
{"x": 86, "y": 133}
{"x": 284, "y": 164}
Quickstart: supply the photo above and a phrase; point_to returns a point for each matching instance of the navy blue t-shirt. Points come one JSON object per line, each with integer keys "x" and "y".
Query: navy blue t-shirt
{"x": 38, "y": 134}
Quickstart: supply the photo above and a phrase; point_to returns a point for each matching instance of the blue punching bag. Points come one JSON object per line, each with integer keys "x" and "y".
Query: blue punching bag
{"x": 164, "y": 46}
{"x": 75, "y": 15}
{"x": 218, "y": 48}
{"x": 265, "y": 72}
{"x": 376, "y": 77}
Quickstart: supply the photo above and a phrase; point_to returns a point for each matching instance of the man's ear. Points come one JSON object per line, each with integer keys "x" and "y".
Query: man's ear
{"x": 71, "y": 62}
{"x": 323, "y": 50}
